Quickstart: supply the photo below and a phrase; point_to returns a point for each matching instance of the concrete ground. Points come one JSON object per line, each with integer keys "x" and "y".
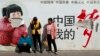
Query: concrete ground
{"x": 59, "y": 53}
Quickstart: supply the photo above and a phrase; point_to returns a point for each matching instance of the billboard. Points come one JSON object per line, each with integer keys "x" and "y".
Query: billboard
{"x": 77, "y": 20}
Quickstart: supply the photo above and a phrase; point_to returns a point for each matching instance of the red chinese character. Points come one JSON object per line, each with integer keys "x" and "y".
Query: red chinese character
{"x": 92, "y": 17}
{"x": 82, "y": 15}
{"x": 89, "y": 34}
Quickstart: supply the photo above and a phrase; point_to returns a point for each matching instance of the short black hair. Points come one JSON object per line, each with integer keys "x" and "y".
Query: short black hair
{"x": 50, "y": 19}
{"x": 11, "y": 8}
{"x": 4, "y": 10}
{"x": 34, "y": 18}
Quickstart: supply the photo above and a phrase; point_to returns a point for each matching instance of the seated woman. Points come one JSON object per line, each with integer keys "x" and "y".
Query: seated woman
{"x": 24, "y": 43}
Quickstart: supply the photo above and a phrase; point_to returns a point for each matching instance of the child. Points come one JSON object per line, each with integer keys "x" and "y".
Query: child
{"x": 12, "y": 25}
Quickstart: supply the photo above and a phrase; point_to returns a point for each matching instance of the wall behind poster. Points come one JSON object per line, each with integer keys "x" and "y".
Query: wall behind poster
{"x": 33, "y": 8}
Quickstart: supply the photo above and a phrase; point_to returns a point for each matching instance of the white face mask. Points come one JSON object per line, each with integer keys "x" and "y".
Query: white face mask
{"x": 16, "y": 22}
{"x": 15, "y": 19}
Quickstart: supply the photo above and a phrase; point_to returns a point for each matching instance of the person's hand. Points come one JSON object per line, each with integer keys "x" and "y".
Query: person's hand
{"x": 53, "y": 38}
{"x": 25, "y": 44}
{"x": 35, "y": 28}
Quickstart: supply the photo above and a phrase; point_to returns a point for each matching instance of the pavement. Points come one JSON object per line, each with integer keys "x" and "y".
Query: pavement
{"x": 59, "y": 53}
{"x": 10, "y": 51}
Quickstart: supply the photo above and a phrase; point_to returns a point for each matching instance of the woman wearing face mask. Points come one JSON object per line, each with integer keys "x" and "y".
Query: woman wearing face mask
{"x": 11, "y": 26}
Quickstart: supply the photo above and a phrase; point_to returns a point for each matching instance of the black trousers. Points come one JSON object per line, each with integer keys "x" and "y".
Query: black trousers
{"x": 37, "y": 39}
{"x": 23, "y": 48}
{"x": 51, "y": 41}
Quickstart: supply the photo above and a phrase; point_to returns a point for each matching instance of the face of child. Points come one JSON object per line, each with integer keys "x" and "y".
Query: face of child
{"x": 15, "y": 19}
{"x": 15, "y": 15}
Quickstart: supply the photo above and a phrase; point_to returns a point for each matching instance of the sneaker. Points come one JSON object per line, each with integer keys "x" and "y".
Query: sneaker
{"x": 41, "y": 51}
{"x": 28, "y": 51}
{"x": 34, "y": 51}
{"x": 55, "y": 53}
{"x": 19, "y": 52}
{"x": 49, "y": 51}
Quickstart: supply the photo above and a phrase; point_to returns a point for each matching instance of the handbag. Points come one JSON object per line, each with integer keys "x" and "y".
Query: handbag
{"x": 45, "y": 43}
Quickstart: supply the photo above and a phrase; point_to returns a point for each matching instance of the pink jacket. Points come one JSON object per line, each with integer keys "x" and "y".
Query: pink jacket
{"x": 53, "y": 30}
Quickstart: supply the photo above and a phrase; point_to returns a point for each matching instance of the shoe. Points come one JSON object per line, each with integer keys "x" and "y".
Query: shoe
{"x": 49, "y": 51}
{"x": 55, "y": 53}
{"x": 34, "y": 51}
{"x": 41, "y": 51}
{"x": 19, "y": 52}
{"x": 28, "y": 51}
